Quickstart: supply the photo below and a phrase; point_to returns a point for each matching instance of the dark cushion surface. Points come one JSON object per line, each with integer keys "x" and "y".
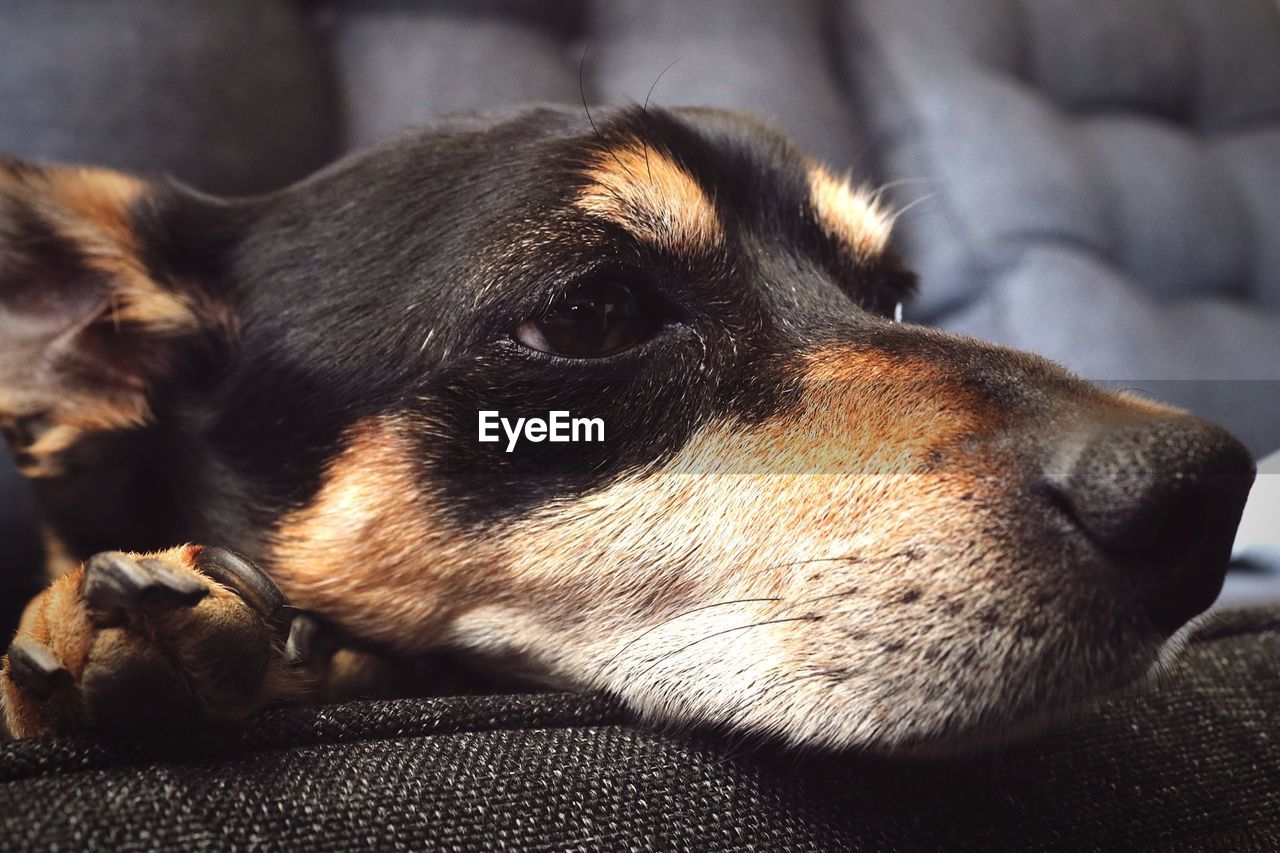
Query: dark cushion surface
{"x": 19, "y": 546}
{"x": 1191, "y": 765}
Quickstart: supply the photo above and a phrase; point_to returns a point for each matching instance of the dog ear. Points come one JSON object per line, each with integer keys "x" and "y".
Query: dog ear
{"x": 91, "y": 315}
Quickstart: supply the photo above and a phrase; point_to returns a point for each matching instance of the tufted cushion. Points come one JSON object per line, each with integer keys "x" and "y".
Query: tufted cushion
{"x": 234, "y": 96}
{"x": 1098, "y": 182}
{"x": 402, "y": 63}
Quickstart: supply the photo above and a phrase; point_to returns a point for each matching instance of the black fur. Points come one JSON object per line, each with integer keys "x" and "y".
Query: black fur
{"x": 392, "y": 282}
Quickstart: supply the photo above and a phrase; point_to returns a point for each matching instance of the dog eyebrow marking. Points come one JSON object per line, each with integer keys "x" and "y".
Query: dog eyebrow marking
{"x": 650, "y": 195}
{"x": 852, "y": 215}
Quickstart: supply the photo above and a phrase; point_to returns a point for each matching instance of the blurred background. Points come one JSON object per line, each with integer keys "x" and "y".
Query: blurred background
{"x": 1094, "y": 180}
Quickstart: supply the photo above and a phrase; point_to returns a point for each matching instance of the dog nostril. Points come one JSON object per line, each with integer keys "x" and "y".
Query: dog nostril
{"x": 1163, "y": 499}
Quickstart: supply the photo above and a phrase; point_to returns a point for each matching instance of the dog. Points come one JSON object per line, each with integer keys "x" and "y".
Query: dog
{"x": 251, "y": 429}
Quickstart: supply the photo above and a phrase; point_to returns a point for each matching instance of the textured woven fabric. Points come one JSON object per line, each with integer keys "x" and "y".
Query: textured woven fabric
{"x": 1193, "y": 765}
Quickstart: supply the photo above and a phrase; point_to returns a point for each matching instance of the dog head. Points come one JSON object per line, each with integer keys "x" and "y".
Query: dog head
{"x": 804, "y": 519}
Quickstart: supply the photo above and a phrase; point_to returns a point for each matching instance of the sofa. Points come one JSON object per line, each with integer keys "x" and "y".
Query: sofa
{"x": 1095, "y": 180}
{"x": 1192, "y": 766}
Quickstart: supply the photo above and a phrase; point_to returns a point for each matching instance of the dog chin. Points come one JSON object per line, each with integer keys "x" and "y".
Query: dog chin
{"x": 951, "y": 725}
{"x": 918, "y": 733}
{"x": 996, "y": 731}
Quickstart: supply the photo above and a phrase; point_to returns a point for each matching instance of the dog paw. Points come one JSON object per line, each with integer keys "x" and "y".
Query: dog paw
{"x": 133, "y": 643}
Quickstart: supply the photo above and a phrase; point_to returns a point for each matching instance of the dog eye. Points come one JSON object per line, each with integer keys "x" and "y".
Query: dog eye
{"x": 594, "y": 321}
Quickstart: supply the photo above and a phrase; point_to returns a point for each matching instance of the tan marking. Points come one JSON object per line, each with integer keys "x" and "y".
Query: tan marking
{"x": 372, "y": 552}
{"x": 650, "y": 195}
{"x": 90, "y": 210}
{"x": 854, "y": 216}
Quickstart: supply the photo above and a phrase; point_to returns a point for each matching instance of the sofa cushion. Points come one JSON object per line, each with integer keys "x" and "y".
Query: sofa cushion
{"x": 403, "y": 63}
{"x": 1098, "y": 183}
{"x": 776, "y": 60}
{"x": 1192, "y": 763}
{"x": 233, "y": 97}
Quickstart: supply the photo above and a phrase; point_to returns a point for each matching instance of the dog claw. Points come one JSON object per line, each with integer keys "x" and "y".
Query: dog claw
{"x": 134, "y": 642}
{"x": 304, "y": 633}
{"x": 36, "y": 669}
{"x": 114, "y": 582}
{"x": 258, "y": 589}
{"x": 172, "y": 585}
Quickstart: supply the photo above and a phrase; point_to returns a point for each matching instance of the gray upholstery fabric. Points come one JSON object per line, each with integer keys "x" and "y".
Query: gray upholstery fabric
{"x": 776, "y": 60}
{"x": 401, "y": 64}
{"x": 233, "y": 97}
{"x": 1101, "y": 183}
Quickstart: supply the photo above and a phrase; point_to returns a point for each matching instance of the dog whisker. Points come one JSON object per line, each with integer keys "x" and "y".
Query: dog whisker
{"x": 765, "y": 622}
{"x": 877, "y": 194}
{"x": 909, "y": 206}
{"x": 844, "y": 593}
{"x": 644, "y": 113}
{"x": 582, "y": 90}
{"x": 668, "y": 621}
{"x": 759, "y": 600}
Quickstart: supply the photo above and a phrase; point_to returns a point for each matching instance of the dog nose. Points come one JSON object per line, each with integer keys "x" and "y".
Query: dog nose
{"x": 1164, "y": 498}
